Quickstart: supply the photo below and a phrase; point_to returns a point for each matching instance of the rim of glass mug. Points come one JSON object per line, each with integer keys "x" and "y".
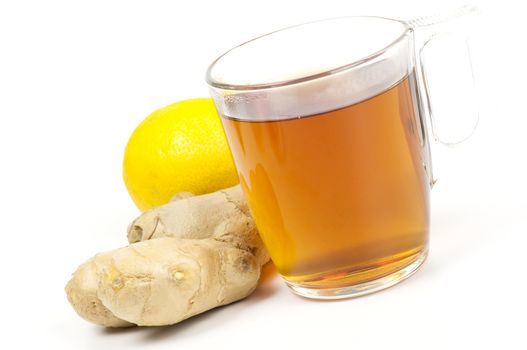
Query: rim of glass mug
{"x": 317, "y": 74}
{"x": 218, "y": 84}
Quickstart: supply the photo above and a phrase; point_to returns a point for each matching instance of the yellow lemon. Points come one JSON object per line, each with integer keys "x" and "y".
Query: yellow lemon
{"x": 178, "y": 148}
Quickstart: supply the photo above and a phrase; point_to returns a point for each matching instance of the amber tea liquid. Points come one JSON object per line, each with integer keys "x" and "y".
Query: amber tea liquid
{"x": 339, "y": 198}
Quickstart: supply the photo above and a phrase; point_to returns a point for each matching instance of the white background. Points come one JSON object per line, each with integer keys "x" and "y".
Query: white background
{"x": 77, "y": 77}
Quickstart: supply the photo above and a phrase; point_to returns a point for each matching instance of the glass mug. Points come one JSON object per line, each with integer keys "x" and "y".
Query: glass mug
{"x": 326, "y": 124}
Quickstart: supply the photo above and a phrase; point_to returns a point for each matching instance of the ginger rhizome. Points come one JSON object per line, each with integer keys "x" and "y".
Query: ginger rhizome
{"x": 186, "y": 257}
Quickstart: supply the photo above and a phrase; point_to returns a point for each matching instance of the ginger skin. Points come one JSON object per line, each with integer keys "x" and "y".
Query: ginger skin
{"x": 82, "y": 294}
{"x": 185, "y": 257}
{"x": 223, "y": 215}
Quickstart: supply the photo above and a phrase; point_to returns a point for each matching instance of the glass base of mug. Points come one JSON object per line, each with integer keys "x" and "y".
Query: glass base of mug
{"x": 356, "y": 290}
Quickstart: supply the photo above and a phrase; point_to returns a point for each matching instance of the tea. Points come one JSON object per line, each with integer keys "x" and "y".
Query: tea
{"x": 340, "y": 198}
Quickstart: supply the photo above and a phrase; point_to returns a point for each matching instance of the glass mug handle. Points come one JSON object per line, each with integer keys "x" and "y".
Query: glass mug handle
{"x": 445, "y": 74}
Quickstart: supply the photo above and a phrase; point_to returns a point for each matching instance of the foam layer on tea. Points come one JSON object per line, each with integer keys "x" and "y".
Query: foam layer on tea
{"x": 311, "y": 68}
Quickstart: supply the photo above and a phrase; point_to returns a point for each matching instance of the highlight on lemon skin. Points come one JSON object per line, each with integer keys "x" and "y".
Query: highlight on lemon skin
{"x": 178, "y": 148}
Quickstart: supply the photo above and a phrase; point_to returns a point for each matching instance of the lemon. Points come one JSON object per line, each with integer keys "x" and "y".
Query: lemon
{"x": 178, "y": 148}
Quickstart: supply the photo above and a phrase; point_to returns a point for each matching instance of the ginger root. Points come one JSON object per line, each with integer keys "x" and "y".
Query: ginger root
{"x": 223, "y": 215}
{"x": 185, "y": 257}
